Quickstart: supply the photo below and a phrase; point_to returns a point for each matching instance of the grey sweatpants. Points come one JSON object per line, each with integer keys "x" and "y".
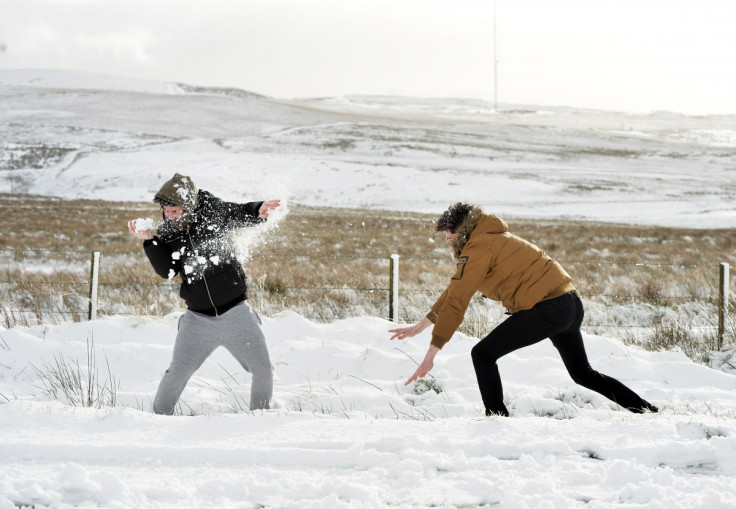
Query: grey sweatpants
{"x": 239, "y": 330}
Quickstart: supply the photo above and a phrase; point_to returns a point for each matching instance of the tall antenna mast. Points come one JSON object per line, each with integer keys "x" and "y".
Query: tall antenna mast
{"x": 495, "y": 61}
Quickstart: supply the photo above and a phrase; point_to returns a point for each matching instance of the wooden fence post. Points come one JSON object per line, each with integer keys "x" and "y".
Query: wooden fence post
{"x": 723, "y": 303}
{"x": 94, "y": 276}
{"x": 393, "y": 296}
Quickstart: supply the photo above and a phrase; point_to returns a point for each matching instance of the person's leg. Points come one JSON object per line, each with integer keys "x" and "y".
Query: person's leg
{"x": 243, "y": 337}
{"x": 193, "y": 345}
{"x": 517, "y": 331}
{"x": 569, "y": 344}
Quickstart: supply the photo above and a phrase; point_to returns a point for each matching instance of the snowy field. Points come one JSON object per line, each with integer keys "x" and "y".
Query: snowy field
{"x": 344, "y": 431}
{"x": 347, "y": 433}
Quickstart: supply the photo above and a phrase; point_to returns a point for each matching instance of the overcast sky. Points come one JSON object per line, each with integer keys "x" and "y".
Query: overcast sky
{"x": 625, "y": 55}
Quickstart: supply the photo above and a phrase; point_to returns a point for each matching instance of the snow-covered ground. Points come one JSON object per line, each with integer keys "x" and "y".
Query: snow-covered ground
{"x": 344, "y": 430}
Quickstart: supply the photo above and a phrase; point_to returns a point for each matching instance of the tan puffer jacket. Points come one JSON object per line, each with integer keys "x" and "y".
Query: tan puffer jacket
{"x": 501, "y": 266}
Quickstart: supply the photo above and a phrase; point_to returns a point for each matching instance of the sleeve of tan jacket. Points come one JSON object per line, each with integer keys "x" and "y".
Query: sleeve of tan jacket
{"x": 472, "y": 266}
{"x": 432, "y": 315}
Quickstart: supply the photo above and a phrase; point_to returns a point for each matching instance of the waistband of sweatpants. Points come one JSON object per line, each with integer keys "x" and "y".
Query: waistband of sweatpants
{"x": 222, "y": 308}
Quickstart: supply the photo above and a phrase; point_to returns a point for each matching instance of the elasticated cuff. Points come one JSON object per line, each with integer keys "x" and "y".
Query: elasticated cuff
{"x": 438, "y": 341}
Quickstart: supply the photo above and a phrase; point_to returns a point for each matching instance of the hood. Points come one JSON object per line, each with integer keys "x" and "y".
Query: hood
{"x": 181, "y": 191}
{"x": 476, "y": 220}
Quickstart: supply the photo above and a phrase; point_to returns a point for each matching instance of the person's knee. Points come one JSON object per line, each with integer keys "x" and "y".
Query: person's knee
{"x": 267, "y": 375}
{"x": 480, "y": 354}
{"x": 475, "y": 354}
{"x": 260, "y": 362}
{"x": 178, "y": 375}
{"x": 262, "y": 372}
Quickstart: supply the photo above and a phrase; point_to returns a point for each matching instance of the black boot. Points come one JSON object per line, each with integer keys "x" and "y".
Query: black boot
{"x": 645, "y": 407}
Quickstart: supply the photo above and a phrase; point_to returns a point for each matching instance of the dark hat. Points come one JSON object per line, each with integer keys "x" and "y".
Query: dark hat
{"x": 178, "y": 191}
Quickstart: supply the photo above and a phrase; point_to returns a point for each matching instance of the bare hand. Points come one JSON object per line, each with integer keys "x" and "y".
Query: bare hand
{"x": 407, "y": 332}
{"x": 404, "y": 332}
{"x": 267, "y": 207}
{"x": 426, "y": 365}
{"x": 139, "y": 234}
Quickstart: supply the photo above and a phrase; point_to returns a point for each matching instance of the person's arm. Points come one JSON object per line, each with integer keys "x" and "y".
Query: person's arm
{"x": 238, "y": 215}
{"x": 413, "y": 330}
{"x": 473, "y": 265}
{"x": 160, "y": 258}
{"x": 156, "y": 252}
{"x": 448, "y": 312}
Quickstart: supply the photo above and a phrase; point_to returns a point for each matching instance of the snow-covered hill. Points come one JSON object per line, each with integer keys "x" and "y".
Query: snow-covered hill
{"x": 91, "y": 136}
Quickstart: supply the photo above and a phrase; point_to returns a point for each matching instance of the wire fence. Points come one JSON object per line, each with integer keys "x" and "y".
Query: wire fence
{"x": 40, "y": 286}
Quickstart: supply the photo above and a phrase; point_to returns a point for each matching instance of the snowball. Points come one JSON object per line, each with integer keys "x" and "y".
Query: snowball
{"x": 143, "y": 224}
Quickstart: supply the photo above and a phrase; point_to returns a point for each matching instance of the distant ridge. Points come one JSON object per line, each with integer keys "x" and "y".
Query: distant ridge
{"x": 66, "y": 79}
{"x": 226, "y": 91}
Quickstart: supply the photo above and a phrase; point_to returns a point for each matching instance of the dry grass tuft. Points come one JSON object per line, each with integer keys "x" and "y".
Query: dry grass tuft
{"x": 328, "y": 263}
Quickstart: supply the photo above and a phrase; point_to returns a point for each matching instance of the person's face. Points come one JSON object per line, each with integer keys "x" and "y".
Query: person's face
{"x": 450, "y": 237}
{"x": 173, "y": 213}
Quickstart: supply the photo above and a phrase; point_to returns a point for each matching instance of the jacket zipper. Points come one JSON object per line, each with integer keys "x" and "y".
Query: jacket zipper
{"x": 209, "y": 295}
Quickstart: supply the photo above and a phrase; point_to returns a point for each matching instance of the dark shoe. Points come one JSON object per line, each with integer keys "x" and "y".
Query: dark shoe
{"x": 651, "y": 408}
{"x": 646, "y": 407}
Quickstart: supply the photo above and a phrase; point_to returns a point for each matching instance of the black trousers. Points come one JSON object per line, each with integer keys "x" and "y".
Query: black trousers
{"x": 558, "y": 319}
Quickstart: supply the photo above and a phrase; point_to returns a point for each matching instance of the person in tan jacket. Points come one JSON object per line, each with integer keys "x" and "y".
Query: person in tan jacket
{"x": 535, "y": 290}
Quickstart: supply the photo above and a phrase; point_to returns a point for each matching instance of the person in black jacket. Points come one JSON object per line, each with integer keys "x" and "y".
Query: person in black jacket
{"x": 194, "y": 243}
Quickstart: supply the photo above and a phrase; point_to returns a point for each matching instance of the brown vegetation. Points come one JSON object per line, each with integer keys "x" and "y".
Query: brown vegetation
{"x": 328, "y": 263}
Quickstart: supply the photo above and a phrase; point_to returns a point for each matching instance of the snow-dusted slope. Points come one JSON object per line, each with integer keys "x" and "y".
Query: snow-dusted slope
{"x": 92, "y": 136}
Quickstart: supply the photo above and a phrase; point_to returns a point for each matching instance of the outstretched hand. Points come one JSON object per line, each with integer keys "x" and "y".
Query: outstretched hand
{"x": 426, "y": 365}
{"x": 404, "y": 332}
{"x": 267, "y": 207}
{"x": 413, "y": 330}
{"x": 407, "y": 332}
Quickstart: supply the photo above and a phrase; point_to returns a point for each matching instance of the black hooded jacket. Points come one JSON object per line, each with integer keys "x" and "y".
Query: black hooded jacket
{"x": 212, "y": 278}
